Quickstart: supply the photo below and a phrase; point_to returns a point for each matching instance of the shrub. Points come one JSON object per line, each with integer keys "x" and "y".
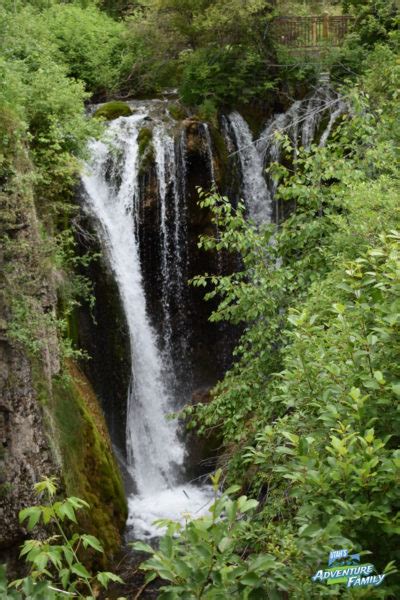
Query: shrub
{"x": 55, "y": 563}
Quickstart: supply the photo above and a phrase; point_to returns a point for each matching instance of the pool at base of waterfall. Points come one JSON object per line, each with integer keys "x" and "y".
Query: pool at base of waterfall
{"x": 180, "y": 503}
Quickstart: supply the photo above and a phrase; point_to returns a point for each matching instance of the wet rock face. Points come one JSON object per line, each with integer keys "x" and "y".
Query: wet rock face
{"x": 36, "y": 408}
{"x": 202, "y": 452}
{"x": 209, "y": 344}
{"x": 25, "y": 454}
{"x": 102, "y": 331}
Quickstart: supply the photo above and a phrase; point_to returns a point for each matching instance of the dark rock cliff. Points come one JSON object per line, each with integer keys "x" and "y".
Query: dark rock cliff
{"x": 50, "y": 420}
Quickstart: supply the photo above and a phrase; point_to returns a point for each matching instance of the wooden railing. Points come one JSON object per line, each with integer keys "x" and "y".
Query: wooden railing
{"x": 311, "y": 32}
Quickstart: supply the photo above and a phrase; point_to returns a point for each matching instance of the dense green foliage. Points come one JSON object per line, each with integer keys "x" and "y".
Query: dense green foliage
{"x": 374, "y": 18}
{"x": 309, "y": 412}
{"x": 43, "y": 137}
{"x": 216, "y": 52}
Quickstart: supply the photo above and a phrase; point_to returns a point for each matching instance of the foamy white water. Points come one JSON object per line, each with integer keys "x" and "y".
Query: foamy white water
{"x": 255, "y": 189}
{"x": 154, "y": 452}
{"x": 180, "y": 503}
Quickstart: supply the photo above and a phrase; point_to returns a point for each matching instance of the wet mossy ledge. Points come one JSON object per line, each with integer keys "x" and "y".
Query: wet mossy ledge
{"x": 113, "y": 110}
{"x": 146, "y": 149}
{"x": 89, "y": 468}
{"x": 177, "y": 112}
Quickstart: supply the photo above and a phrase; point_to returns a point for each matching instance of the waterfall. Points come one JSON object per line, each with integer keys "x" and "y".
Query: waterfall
{"x": 340, "y": 107}
{"x": 180, "y": 243}
{"x": 112, "y": 195}
{"x": 255, "y": 191}
{"x": 170, "y": 163}
{"x": 207, "y": 138}
{"x": 116, "y": 198}
{"x": 155, "y": 454}
{"x": 300, "y": 123}
{"x": 165, "y": 166}
{"x": 269, "y": 144}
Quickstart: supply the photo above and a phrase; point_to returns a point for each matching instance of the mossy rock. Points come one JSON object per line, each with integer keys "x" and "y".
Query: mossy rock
{"x": 89, "y": 467}
{"x": 177, "y": 112}
{"x": 220, "y": 147}
{"x": 113, "y": 110}
{"x": 146, "y": 148}
{"x": 145, "y": 138}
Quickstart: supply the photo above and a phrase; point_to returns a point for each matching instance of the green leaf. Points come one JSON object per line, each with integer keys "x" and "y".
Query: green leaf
{"x": 67, "y": 510}
{"x": 78, "y": 502}
{"x": 215, "y": 479}
{"x": 32, "y": 514}
{"x": 104, "y": 577}
{"x": 166, "y": 545}
{"x": 49, "y": 484}
{"x": 262, "y": 563}
{"x": 224, "y": 544}
{"x": 48, "y": 513}
{"x": 250, "y": 504}
{"x": 150, "y": 577}
{"x": 379, "y": 377}
{"x": 69, "y": 555}
{"x": 142, "y": 547}
{"x": 80, "y": 570}
{"x": 64, "y": 576}
{"x": 93, "y": 542}
{"x": 250, "y": 579}
{"x": 40, "y": 560}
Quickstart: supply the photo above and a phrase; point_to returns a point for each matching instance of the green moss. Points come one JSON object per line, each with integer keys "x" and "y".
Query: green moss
{"x": 221, "y": 157}
{"x": 177, "y": 112}
{"x": 146, "y": 149}
{"x": 255, "y": 116}
{"x": 145, "y": 138}
{"x": 220, "y": 146}
{"x": 113, "y": 110}
{"x": 89, "y": 467}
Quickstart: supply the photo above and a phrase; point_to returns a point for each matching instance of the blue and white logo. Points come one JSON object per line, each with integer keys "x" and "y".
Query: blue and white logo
{"x": 346, "y": 568}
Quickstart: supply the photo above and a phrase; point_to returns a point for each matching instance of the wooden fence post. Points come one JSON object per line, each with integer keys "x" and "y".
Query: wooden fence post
{"x": 314, "y": 31}
{"x": 325, "y": 26}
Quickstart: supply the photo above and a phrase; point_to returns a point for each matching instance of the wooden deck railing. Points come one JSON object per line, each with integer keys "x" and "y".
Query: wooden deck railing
{"x": 311, "y": 32}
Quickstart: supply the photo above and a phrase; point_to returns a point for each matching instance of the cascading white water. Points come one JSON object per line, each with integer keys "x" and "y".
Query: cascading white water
{"x": 255, "y": 191}
{"x": 207, "y": 137}
{"x": 339, "y": 108}
{"x": 165, "y": 166}
{"x": 154, "y": 453}
{"x": 269, "y": 145}
{"x": 300, "y": 123}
